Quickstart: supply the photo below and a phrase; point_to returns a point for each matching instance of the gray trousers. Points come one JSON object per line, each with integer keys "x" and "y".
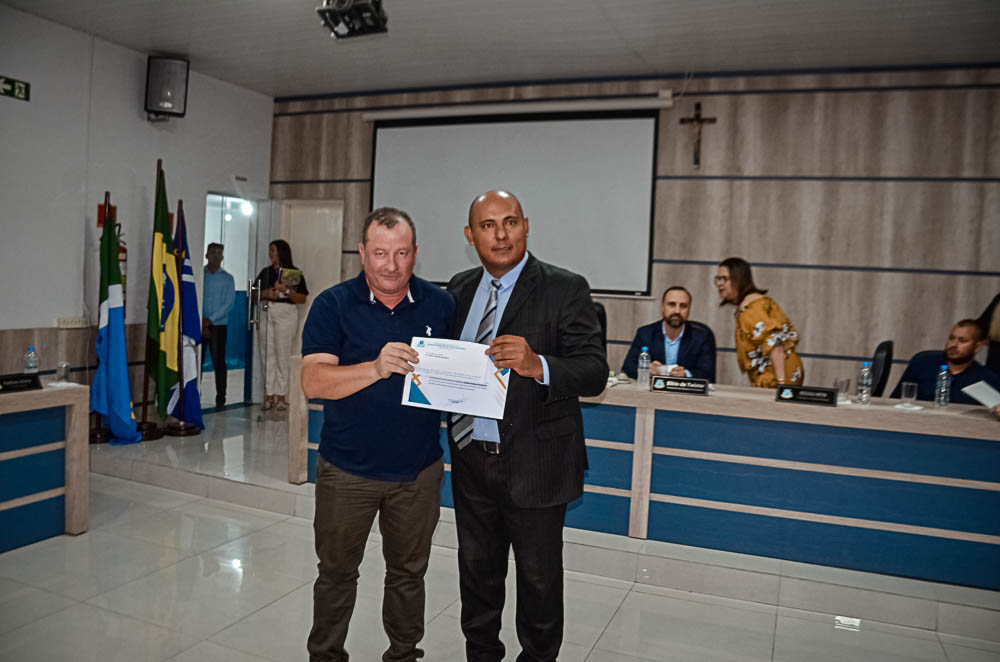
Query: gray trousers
{"x": 345, "y": 510}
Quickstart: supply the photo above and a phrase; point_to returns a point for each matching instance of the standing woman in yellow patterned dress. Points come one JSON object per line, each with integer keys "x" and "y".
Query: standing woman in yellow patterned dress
{"x": 765, "y": 339}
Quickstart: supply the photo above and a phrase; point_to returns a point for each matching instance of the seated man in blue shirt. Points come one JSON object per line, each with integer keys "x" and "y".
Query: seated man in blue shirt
{"x": 966, "y": 338}
{"x": 687, "y": 347}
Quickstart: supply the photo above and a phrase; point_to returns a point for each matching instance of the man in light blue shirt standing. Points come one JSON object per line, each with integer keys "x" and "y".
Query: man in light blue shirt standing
{"x": 219, "y": 291}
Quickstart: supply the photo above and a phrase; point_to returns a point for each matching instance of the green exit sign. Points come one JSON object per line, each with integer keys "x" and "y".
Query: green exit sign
{"x": 19, "y": 89}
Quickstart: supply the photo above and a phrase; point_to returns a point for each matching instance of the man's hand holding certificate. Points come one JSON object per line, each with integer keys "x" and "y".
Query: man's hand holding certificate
{"x": 456, "y": 376}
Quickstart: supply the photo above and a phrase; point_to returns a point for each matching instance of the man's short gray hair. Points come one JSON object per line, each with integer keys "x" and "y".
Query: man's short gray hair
{"x": 387, "y": 217}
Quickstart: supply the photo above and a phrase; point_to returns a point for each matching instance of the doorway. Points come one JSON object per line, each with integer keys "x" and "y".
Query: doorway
{"x": 241, "y": 226}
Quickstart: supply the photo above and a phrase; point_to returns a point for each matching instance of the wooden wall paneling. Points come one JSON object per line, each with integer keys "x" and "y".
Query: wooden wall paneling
{"x": 922, "y": 225}
{"x": 926, "y": 133}
{"x": 481, "y": 95}
{"x": 350, "y": 266}
{"x": 992, "y": 118}
{"x": 844, "y": 81}
{"x": 692, "y": 219}
{"x": 846, "y": 312}
{"x": 616, "y": 355}
{"x": 321, "y": 147}
{"x": 849, "y": 312}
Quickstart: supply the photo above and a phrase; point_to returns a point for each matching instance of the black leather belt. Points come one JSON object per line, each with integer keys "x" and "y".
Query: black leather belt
{"x": 488, "y": 447}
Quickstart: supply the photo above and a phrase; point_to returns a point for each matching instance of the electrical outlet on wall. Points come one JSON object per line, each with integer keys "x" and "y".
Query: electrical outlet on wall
{"x": 72, "y": 322}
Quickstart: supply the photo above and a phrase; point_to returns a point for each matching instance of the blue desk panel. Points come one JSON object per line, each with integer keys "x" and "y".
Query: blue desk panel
{"x": 31, "y": 474}
{"x": 960, "y": 514}
{"x": 32, "y": 522}
{"x": 25, "y": 429}
{"x": 934, "y": 455}
{"x": 917, "y": 504}
{"x": 887, "y": 552}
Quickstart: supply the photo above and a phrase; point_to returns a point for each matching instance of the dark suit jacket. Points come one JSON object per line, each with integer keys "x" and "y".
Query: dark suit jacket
{"x": 542, "y": 428}
{"x": 696, "y": 353}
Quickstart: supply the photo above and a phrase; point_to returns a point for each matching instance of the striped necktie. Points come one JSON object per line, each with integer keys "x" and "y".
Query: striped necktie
{"x": 462, "y": 424}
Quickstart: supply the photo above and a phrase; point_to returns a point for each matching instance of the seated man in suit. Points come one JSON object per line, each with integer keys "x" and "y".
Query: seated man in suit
{"x": 966, "y": 338}
{"x": 672, "y": 341}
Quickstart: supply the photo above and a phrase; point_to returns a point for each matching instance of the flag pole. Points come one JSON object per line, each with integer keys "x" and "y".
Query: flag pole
{"x": 100, "y": 434}
{"x": 148, "y": 429}
{"x": 180, "y": 427}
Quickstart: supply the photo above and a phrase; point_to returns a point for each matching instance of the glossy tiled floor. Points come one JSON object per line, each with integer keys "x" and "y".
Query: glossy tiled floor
{"x": 164, "y": 575}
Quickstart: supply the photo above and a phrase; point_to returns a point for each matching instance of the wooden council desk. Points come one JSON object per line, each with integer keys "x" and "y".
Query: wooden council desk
{"x": 44, "y": 464}
{"x": 871, "y": 488}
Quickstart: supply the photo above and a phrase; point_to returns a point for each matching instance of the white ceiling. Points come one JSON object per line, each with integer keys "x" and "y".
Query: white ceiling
{"x": 279, "y": 48}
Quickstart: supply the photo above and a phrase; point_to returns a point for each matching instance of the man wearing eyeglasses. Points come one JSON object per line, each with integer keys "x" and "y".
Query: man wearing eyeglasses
{"x": 679, "y": 348}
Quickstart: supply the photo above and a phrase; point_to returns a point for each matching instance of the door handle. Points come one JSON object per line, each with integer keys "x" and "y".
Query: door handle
{"x": 253, "y": 303}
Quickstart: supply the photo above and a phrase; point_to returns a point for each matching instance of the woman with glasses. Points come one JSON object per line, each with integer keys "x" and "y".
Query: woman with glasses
{"x": 765, "y": 338}
{"x": 284, "y": 287}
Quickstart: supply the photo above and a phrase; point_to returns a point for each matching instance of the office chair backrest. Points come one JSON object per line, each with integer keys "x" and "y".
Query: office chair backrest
{"x": 602, "y": 319}
{"x": 881, "y": 366}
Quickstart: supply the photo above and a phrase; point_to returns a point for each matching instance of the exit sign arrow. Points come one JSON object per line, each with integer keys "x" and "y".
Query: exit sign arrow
{"x": 18, "y": 89}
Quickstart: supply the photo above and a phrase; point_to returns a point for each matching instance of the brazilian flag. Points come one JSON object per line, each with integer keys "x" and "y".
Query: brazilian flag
{"x": 162, "y": 312}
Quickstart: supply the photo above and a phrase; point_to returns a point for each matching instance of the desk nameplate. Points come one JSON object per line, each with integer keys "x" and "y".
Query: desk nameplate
{"x": 667, "y": 384}
{"x": 807, "y": 395}
{"x": 19, "y": 382}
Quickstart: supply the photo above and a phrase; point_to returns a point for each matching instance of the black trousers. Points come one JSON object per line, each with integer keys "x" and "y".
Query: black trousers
{"x": 217, "y": 349}
{"x": 488, "y": 525}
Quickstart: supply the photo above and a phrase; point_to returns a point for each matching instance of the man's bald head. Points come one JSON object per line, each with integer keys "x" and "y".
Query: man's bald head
{"x": 493, "y": 195}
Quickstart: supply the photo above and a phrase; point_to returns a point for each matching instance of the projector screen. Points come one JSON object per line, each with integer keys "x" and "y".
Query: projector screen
{"x": 585, "y": 183}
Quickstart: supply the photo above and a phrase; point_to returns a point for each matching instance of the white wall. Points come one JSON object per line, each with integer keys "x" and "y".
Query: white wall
{"x": 85, "y": 132}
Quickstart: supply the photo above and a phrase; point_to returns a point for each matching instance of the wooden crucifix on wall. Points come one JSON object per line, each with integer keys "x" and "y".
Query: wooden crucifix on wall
{"x": 697, "y": 122}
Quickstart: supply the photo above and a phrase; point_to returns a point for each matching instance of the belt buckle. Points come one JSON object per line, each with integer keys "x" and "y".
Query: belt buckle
{"x": 490, "y": 447}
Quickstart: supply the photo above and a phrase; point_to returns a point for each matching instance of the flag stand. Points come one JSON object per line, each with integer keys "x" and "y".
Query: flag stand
{"x": 180, "y": 427}
{"x": 148, "y": 429}
{"x": 100, "y": 434}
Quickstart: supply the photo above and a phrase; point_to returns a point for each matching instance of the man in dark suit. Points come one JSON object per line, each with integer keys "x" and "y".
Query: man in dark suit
{"x": 513, "y": 478}
{"x": 686, "y": 348}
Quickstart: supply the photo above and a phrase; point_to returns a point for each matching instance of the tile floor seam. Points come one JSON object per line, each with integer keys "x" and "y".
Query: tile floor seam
{"x": 228, "y": 505}
{"x": 143, "y": 576}
{"x": 255, "y": 611}
{"x": 608, "y": 624}
{"x": 188, "y": 632}
{"x": 872, "y": 590}
{"x": 134, "y": 618}
{"x": 774, "y": 632}
{"x": 75, "y": 602}
{"x": 442, "y": 611}
{"x": 944, "y": 649}
{"x": 179, "y": 550}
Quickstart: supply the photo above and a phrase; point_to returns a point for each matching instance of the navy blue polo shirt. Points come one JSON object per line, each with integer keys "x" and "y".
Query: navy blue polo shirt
{"x": 370, "y": 433}
{"x": 923, "y": 369}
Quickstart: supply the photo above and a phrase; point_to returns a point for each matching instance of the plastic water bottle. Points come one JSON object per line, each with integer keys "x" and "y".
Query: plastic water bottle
{"x": 642, "y": 377}
{"x": 942, "y": 390}
{"x": 865, "y": 383}
{"x": 31, "y": 360}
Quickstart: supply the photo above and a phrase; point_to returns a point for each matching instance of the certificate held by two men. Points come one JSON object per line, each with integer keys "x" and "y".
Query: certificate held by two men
{"x": 456, "y": 376}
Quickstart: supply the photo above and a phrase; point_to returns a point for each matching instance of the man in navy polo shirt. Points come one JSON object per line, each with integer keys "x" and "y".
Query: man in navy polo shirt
{"x": 375, "y": 455}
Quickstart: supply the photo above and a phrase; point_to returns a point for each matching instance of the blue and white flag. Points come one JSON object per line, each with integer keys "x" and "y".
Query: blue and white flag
{"x": 190, "y": 333}
{"x": 110, "y": 393}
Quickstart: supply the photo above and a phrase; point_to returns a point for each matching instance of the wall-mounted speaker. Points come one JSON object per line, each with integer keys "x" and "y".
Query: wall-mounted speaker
{"x": 166, "y": 87}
